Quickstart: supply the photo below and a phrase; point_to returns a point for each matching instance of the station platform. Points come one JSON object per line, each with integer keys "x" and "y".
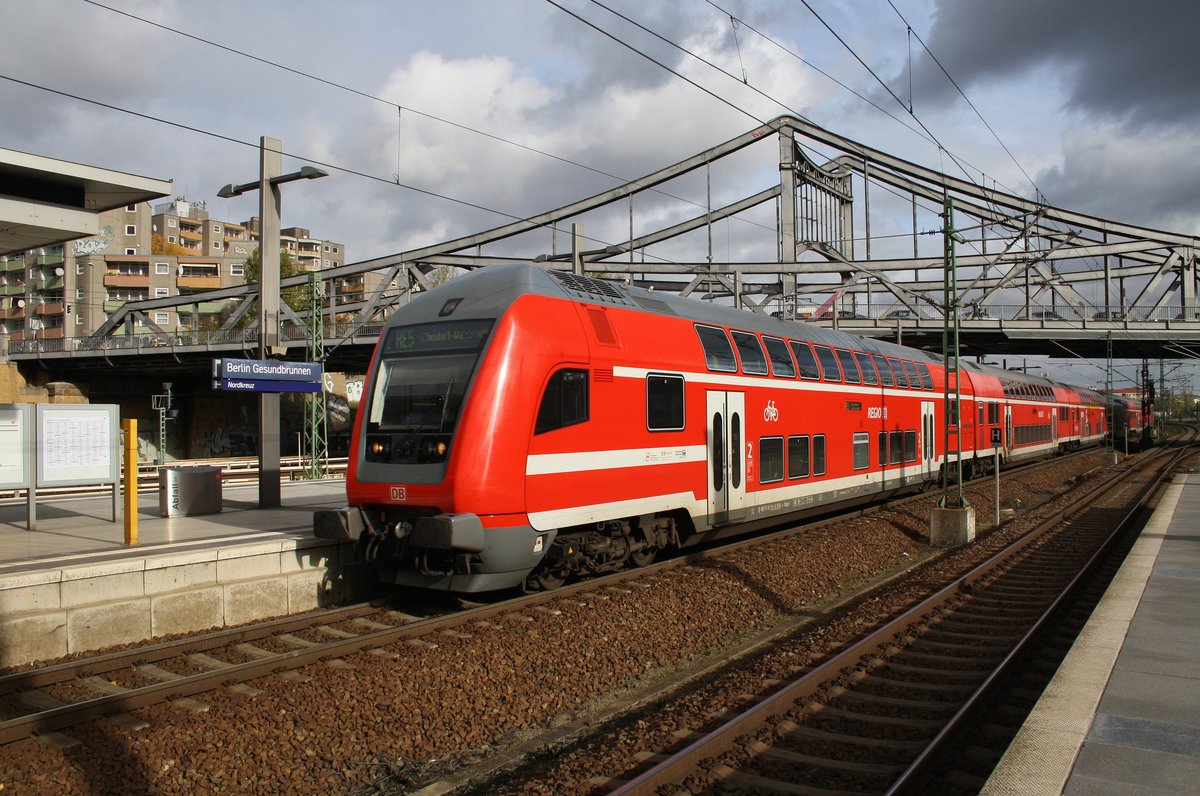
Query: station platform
{"x": 73, "y": 585}
{"x": 1122, "y": 714}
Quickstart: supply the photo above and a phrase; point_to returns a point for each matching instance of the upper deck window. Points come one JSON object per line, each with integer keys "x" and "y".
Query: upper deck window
{"x": 718, "y": 353}
{"x": 781, "y": 360}
{"x": 869, "y": 376}
{"x": 829, "y": 364}
{"x": 805, "y": 360}
{"x": 750, "y": 350}
{"x": 885, "y": 370}
{"x": 849, "y": 366}
{"x": 898, "y": 370}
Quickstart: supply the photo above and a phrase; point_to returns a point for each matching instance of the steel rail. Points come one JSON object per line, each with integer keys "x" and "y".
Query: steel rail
{"x": 677, "y": 767}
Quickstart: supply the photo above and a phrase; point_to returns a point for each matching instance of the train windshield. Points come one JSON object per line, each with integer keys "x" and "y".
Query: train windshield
{"x": 419, "y": 389}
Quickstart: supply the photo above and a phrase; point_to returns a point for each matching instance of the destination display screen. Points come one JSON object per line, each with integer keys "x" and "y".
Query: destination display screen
{"x": 431, "y": 338}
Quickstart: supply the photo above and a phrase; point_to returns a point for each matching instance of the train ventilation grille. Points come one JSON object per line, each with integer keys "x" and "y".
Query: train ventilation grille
{"x": 595, "y": 289}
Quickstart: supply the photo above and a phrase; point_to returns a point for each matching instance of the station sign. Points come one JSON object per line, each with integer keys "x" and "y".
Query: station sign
{"x": 266, "y": 375}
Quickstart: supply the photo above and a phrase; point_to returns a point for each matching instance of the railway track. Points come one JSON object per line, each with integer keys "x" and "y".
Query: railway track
{"x": 876, "y": 716}
{"x": 48, "y": 702}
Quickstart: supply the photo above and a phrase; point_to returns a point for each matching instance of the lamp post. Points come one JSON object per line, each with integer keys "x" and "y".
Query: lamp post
{"x": 269, "y": 179}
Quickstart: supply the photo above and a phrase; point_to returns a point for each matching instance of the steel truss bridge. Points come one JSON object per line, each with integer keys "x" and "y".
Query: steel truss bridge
{"x": 839, "y": 234}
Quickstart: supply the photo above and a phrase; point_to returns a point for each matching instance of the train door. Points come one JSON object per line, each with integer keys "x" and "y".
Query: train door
{"x": 727, "y": 451}
{"x": 928, "y": 441}
{"x": 1008, "y": 429}
{"x": 1054, "y": 424}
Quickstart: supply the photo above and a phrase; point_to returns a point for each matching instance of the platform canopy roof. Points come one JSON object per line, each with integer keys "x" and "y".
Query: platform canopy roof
{"x": 44, "y": 200}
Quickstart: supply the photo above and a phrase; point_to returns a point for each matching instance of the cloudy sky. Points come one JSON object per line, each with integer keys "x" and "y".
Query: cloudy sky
{"x": 494, "y": 109}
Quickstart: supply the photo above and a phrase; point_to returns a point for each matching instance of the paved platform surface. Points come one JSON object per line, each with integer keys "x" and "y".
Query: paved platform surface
{"x": 1122, "y": 716}
{"x": 73, "y": 531}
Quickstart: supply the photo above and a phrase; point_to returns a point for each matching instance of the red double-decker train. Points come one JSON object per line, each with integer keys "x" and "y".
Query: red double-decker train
{"x": 521, "y": 426}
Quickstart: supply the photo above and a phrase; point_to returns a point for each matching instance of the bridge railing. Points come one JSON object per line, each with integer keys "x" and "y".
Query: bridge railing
{"x": 246, "y": 338}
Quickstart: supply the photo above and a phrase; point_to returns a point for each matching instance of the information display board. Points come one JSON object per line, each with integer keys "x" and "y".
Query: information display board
{"x": 15, "y": 450}
{"x": 77, "y": 444}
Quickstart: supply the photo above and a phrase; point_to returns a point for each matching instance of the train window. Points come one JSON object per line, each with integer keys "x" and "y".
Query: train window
{"x": 885, "y": 371}
{"x": 735, "y": 450}
{"x": 926, "y": 376}
{"x": 981, "y": 414}
{"x": 869, "y": 376}
{"x": 830, "y": 369}
{"x": 898, "y": 369}
{"x": 664, "y": 402}
{"x": 781, "y": 360}
{"x": 818, "y": 454}
{"x": 882, "y": 441}
{"x": 797, "y": 457}
{"x": 914, "y": 378}
{"x": 718, "y": 447}
{"x": 896, "y": 447}
{"x": 862, "y": 450}
{"x": 849, "y": 366}
{"x": 718, "y": 354}
{"x": 750, "y": 350}
{"x": 770, "y": 460}
{"x": 805, "y": 360}
{"x": 565, "y": 401}
{"x": 910, "y": 446}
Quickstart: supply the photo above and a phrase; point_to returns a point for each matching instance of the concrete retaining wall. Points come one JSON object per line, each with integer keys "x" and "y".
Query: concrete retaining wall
{"x": 50, "y": 613}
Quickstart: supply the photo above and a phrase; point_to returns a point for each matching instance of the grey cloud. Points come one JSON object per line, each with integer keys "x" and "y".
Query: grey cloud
{"x": 1127, "y": 61}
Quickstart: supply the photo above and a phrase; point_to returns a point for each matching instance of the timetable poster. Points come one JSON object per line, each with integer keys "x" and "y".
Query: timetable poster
{"x": 14, "y": 446}
{"x": 77, "y": 444}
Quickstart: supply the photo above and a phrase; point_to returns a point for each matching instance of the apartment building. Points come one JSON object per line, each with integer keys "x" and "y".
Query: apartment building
{"x": 69, "y": 290}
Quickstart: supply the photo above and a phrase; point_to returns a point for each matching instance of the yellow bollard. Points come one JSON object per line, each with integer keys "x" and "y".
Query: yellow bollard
{"x": 129, "y": 425}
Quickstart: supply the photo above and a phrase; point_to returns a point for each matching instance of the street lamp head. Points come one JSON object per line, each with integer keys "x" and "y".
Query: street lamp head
{"x": 229, "y": 191}
{"x": 312, "y": 173}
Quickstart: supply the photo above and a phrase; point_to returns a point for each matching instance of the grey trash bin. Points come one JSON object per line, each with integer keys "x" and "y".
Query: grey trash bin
{"x": 188, "y": 491}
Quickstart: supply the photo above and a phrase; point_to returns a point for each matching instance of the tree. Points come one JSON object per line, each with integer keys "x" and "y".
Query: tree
{"x": 295, "y": 297}
{"x": 159, "y": 245}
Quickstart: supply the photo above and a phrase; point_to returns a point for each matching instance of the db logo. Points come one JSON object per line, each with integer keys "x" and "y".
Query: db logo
{"x": 770, "y": 413}
{"x": 399, "y": 493}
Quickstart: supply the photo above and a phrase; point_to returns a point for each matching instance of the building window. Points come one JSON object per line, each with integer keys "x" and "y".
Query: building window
{"x": 216, "y": 229}
{"x": 664, "y": 402}
{"x": 565, "y": 402}
{"x": 162, "y": 317}
{"x": 130, "y": 229}
{"x": 78, "y": 269}
{"x": 172, "y": 222}
{"x": 237, "y": 270}
{"x": 217, "y": 244}
{"x": 162, "y": 268}
{"x": 130, "y": 208}
{"x": 170, "y": 239}
{"x": 78, "y": 319}
{"x": 78, "y": 292}
{"x": 162, "y": 292}
{"x": 326, "y": 248}
{"x": 131, "y": 251}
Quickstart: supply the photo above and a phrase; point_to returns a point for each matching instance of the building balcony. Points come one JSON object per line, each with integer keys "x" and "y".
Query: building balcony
{"x": 56, "y": 333}
{"x": 50, "y": 259}
{"x": 53, "y": 283}
{"x": 190, "y": 234}
{"x": 204, "y": 308}
{"x": 198, "y": 282}
{"x": 50, "y": 309}
{"x": 16, "y": 264}
{"x": 16, "y": 289}
{"x": 127, "y": 280}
